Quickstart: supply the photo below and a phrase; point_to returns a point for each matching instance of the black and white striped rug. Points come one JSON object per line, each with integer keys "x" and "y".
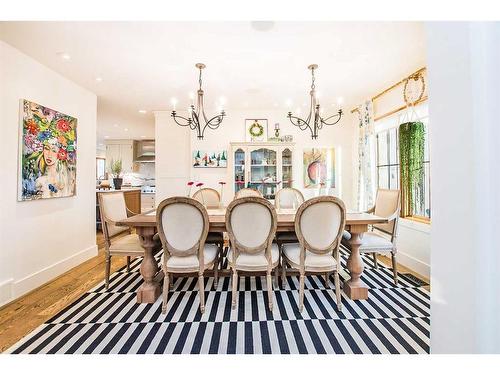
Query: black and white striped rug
{"x": 392, "y": 320}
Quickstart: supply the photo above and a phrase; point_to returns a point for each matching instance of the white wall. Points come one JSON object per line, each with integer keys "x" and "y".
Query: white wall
{"x": 232, "y": 129}
{"x": 463, "y": 82}
{"x": 42, "y": 239}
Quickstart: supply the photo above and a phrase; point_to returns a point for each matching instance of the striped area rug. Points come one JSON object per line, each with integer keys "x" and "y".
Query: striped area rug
{"x": 392, "y": 320}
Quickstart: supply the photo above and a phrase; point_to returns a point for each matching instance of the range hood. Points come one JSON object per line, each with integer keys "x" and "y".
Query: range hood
{"x": 144, "y": 151}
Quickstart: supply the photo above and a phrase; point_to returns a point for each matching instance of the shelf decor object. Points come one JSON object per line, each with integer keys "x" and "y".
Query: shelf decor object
{"x": 47, "y": 153}
{"x": 198, "y": 120}
{"x": 314, "y": 121}
{"x": 256, "y": 130}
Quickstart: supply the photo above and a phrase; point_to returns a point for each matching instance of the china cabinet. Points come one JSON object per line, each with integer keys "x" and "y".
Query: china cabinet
{"x": 264, "y": 166}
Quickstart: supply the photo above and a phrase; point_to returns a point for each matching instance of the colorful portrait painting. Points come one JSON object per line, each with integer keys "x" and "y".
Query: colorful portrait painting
{"x": 209, "y": 159}
{"x": 47, "y": 150}
{"x": 319, "y": 168}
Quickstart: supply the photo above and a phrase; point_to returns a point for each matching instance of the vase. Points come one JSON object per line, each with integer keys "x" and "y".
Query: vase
{"x": 117, "y": 182}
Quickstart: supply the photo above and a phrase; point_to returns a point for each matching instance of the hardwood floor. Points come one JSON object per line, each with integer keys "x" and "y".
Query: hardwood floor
{"x": 23, "y": 315}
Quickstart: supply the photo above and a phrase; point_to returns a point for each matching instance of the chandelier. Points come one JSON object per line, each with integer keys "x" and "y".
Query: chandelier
{"x": 198, "y": 120}
{"x": 314, "y": 120}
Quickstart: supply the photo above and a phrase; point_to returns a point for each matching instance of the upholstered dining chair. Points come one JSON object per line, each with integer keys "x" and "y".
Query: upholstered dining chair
{"x": 209, "y": 197}
{"x": 247, "y": 192}
{"x": 319, "y": 224}
{"x": 183, "y": 228}
{"x": 112, "y": 208}
{"x": 382, "y": 237}
{"x": 251, "y": 224}
{"x": 287, "y": 198}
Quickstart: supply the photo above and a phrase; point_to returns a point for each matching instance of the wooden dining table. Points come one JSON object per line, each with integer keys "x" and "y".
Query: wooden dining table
{"x": 146, "y": 227}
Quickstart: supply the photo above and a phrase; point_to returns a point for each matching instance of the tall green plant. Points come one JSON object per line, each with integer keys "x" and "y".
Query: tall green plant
{"x": 411, "y": 159}
{"x": 116, "y": 167}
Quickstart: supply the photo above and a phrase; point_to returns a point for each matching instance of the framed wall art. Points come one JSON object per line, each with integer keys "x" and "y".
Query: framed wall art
{"x": 47, "y": 153}
{"x": 256, "y": 130}
{"x": 319, "y": 168}
{"x": 209, "y": 159}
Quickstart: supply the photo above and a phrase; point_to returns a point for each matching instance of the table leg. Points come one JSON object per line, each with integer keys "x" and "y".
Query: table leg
{"x": 149, "y": 291}
{"x": 354, "y": 288}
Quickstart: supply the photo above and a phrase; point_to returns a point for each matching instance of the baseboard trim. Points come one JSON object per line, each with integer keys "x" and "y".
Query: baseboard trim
{"x": 414, "y": 264}
{"x": 13, "y": 289}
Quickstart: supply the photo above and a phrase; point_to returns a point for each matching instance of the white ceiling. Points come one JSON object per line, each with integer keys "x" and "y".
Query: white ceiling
{"x": 144, "y": 64}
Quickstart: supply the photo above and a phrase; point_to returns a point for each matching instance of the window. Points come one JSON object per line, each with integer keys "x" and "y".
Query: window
{"x": 100, "y": 168}
{"x": 387, "y": 161}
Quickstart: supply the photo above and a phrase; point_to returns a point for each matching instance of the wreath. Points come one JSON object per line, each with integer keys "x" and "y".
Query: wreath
{"x": 256, "y": 129}
{"x": 413, "y": 92}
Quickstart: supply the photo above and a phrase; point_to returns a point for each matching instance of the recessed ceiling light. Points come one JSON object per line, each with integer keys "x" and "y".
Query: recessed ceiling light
{"x": 64, "y": 56}
{"x": 106, "y": 136}
{"x": 275, "y": 104}
{"x": 98, "y": 79}
{"x": 262, "y": 25}
{"x": 143, "y": 136}
{"x": 126, "y": 129}
{"x": 115, "y": 125}
{"x": 143, "y": 111}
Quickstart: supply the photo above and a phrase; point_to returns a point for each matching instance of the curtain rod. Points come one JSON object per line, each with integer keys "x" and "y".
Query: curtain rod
{"x": 392, "y": 87}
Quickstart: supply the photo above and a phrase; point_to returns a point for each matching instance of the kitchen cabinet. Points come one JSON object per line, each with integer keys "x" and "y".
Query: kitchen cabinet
{"x": 264, "y": 166}
{"x": 120, "y": 149}
{"x": 148, "y": 201}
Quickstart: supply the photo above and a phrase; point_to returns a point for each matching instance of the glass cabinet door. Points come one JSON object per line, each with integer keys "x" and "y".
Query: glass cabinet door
{"x": 239, "y": 170}
{"x": 263, "y": 171}
{"x": 286, "y": 168}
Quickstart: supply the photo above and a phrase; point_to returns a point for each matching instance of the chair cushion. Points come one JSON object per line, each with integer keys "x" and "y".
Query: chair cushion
{"x": 292, "y": 253}
{"x": 286, "y": 236}
{"x": 127, "y": 244}
{"x": 183, "y": 263}
{"x": 254, "y": 260}
{"x": 372, "y": 242}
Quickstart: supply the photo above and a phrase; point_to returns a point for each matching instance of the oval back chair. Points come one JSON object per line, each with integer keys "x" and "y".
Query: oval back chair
{"x": 288, "y": 198}
{"x": 247, "y": 192}
{"x": 319, "y": 225}
{"x": 209, "y": 197}
{"x": 183, "y": 228}
{"x": 251, "y": 225}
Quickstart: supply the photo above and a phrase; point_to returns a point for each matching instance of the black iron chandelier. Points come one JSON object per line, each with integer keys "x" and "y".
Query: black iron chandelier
{"x": 314, "y": 121}
{"x": 198, "y": 120}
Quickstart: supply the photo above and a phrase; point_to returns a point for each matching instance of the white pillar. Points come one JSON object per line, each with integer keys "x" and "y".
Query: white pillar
{"x": 464, "y": 111}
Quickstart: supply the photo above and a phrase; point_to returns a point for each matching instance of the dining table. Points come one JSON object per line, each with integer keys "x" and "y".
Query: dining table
{"x": 145, "y": 225}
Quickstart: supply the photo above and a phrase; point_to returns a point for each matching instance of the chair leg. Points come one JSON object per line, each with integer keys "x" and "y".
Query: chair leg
{"x": 171, "y": 280}
{"x": 327, "y": 283}
{"x": 108, "y": 270}
{"x": 283, "y": 272}
{"x": 375, "y": 262}
{"x": 128, "y": 264}
{"x": 221, "y": 256}
{"x": 235, "y": 281}
{"x": 270, "y": 290}
{"x": 166, "y": 283}
{"x": 337, "y": 291}
{"x": 301, "y": 292}
{"x": 216, "y": 270}
{"x": 201, "y": 287}
{"x": 277, "y": 276}
{"x": 395, "y": 268}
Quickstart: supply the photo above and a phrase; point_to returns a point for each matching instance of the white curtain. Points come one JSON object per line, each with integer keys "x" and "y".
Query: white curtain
{"x": 365, "y": 152}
